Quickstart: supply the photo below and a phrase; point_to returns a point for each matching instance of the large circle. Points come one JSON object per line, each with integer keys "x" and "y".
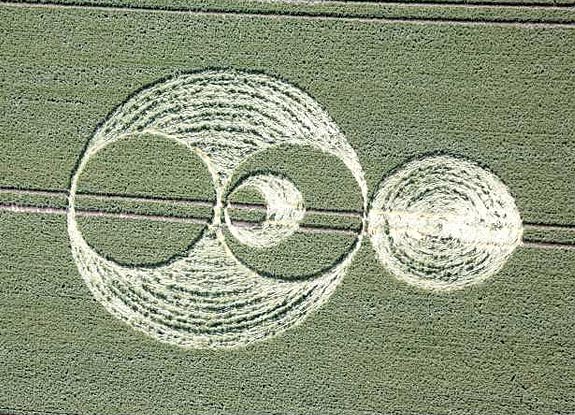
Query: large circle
{"x": 151, "y": 176}
{"x": 209, "y": 299}
{"x": 443, "y": 223}
{"x": 311, "y": 215}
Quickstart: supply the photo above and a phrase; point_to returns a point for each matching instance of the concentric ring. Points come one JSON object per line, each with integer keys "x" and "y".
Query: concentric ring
{"x": 208, "y": 299}
{"x": 443, "y": 223}
{"x": 284, "y": 211}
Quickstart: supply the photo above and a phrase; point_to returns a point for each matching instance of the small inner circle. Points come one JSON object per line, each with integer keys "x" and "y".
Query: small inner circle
{"x": 283, "y": 213}
{"x": 315, "y": 231}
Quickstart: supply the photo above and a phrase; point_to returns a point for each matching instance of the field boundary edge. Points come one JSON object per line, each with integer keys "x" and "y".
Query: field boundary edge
{"x": 398, "y": 14}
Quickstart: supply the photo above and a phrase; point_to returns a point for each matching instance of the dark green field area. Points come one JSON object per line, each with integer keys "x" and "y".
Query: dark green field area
{"x": 318, "y": 176}
{"x": 555, "y": 12}
{"x": 146, "y": 165}
{"x": 500, "y": 95}
{"x": 378, "y": 346}
{"x": 302, "y": 255}
{"x": 139, "y": 242}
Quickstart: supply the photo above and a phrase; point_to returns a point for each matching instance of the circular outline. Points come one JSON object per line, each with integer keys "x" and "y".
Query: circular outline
{"x": 182, "y": 253}
{"x": 437, "y": 285}
{"x": 309, "y": 296}
{"x": 232, "y": 185}
{"x": 299, "y": 210}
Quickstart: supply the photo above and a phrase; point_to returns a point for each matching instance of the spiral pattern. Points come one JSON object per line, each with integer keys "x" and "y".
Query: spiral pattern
{"x": 209, "y": 299}
{"x": 443, "y": 223}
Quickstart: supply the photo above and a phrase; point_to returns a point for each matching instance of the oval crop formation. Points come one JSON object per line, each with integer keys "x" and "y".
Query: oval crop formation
{"x": 444, "y": 223}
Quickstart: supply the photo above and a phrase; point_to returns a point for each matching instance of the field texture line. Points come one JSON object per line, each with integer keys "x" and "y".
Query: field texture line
{"x": 173, "y": 201}
{"x": 141, "y": 199}
{"x": 329, "y": 411}
{"x": 550, "y": 226}
{"x": 331, "y": 212}
{"x": 431, "y": 4}
{"x": 191, "y": 203}
{"x": 33, "y": 192}
{"x": 97, "y": 213}
{"x": 207, "y": 203}
{"x": 308, "y": 228}
{"x": 548, "y": 245}
{"x": 303, "y": 227}
{"x": 156, "y": 218}
{"x": 295, "y": 16}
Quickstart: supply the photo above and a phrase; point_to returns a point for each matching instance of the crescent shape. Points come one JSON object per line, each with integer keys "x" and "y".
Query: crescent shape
{"x": 284, "y": 212}
{"x": 208, "y": 299}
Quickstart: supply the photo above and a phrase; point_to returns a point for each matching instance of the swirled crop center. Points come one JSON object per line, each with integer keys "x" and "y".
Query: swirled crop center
{"x": 443, "y": 223}
{"x": 208, "y": 299}
{"x": 284, "y": 212}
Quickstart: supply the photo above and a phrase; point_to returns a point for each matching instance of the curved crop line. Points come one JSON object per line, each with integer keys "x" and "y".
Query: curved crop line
{"x": 443, "y": 223}
{"x": 153, "y": 299}
{"x": 284, "y": 212}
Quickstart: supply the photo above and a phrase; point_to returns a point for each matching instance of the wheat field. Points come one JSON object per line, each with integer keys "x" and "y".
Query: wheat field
{"x": 287, "y": 207}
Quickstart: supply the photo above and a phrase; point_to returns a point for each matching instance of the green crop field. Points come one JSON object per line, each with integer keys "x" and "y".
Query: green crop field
{"x": 287, "y": 207}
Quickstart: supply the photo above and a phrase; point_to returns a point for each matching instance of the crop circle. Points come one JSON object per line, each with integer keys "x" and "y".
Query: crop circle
{"x": 208, "y": 298}
{"x": 322, "y": 212}
{"x": 284, "y": 211}
{"x": 443, "y": 223}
